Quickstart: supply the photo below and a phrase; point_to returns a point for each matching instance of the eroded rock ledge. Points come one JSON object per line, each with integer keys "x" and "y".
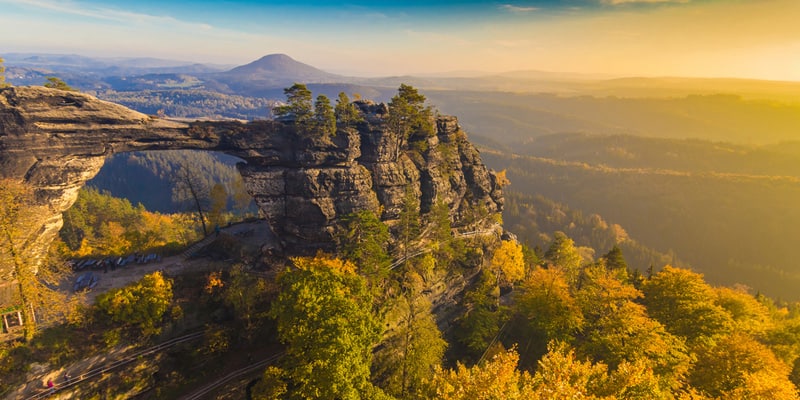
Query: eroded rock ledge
{"x": 56, "y": 141}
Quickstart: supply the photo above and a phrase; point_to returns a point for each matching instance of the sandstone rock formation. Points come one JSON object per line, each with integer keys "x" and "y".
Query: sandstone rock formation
{"x": 56, "y": 141}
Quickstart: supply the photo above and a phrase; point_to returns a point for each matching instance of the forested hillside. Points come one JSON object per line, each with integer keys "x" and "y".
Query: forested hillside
{"x": 151, "y": 178}
{"x": 735, "y": 227}
{"x": 536, "y": 219}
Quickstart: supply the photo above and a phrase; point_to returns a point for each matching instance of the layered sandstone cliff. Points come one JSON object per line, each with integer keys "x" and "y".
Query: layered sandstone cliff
{"x": 303, "y": 184}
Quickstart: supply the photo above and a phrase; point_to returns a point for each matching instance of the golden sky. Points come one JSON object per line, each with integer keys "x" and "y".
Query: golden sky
{"x": 713, "y": 38}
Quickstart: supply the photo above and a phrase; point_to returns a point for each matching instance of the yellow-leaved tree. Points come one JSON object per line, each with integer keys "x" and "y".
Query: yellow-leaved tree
{"x": 142, "y": 304}
{"x": 508, "y": 263}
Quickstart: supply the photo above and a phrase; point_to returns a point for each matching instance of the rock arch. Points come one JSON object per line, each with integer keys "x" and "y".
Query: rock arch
{"x": 56, "y": 140}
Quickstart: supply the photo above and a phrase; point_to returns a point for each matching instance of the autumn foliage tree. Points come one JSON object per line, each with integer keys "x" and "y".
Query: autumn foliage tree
{"x": 101, "y": 225}
{"x": 142, "y": 304}
{"x": 685, "y": 304}
{"x": 547, "y": 310}
{"x": 508, "y": 263}
{"x": 738, "y": 367}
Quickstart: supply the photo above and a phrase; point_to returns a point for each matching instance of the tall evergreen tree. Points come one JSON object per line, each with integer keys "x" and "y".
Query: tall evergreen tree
{"x": 324, "y": 118}
{"x": 408, "y": 226}
{"x": 363, "y": 240}
{"x": 412, "y": 348}
{"x": 615, "y": 260}
{"x": 298, "y": 106}
{"x": 408, "y": 114}
{"x": 346, "y": 112}
{"x": 563, "y": 253}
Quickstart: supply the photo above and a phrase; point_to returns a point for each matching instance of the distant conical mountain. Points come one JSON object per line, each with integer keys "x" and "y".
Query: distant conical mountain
{"x": 279, "y": 68}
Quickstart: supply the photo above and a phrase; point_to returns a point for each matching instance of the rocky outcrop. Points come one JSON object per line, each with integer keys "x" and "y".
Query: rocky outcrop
{"x": 303, "y": 184}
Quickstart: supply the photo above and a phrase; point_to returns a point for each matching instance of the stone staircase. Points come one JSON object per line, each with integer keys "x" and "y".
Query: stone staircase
{"x": 197, "y": 246}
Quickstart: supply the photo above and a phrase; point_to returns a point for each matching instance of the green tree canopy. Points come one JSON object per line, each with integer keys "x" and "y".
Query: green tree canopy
{"x": 615, "y": 260}
{"x": 362, "y": 240}
{"x": 408, "y": 114}
{"x": 323, "y": 314}
{"x": 298, "y": 105}
{"x": 346, "y": 112}
{"x": 406, "y": 358}
{"x": 324, "y": 117}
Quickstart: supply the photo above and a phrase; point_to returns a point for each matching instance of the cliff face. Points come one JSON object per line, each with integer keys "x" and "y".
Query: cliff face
{"x": 55, "y": 141}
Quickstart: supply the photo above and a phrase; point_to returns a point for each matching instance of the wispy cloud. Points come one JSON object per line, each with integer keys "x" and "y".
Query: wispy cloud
{"x": 517, "y": 9}
{"x": 105, "y": 14}
{"x": 621, "y": 2}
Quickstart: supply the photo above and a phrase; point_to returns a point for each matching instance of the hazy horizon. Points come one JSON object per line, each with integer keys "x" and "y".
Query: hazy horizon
{"x": 682, "y": 38}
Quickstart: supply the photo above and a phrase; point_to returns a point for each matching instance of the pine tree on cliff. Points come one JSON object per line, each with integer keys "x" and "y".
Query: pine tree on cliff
{"x": 324, "y": 118}
{"x": 346, "y": 112}
{"x": 408, "y": 115}
{"x": 298, "y": 106}
{"x": 57, "y": 83}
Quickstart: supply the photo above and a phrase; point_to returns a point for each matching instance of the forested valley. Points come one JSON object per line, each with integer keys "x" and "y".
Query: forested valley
{"x": 561, "y": 320}
{"x": 578, "y": 307}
